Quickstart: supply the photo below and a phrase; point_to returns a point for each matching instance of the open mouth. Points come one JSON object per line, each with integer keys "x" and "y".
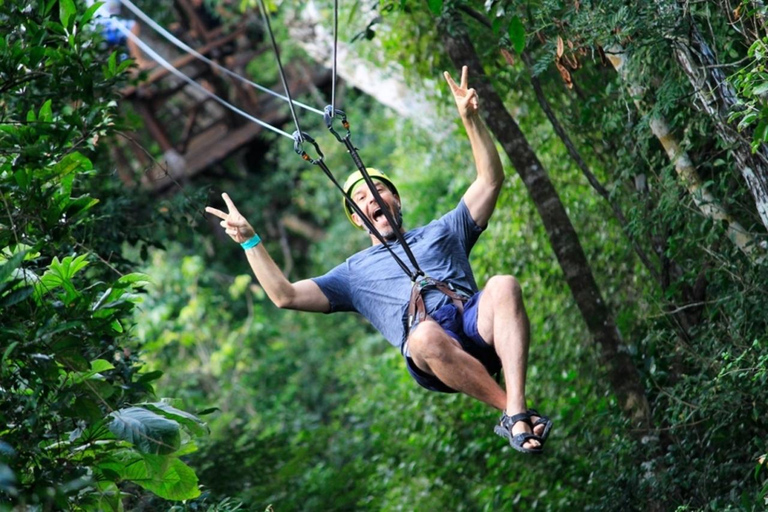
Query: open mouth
{"x": 377, "y": 213}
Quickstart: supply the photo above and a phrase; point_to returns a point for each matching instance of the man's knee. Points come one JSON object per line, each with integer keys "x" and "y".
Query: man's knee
{"x": 430, "y": 342}
{"x": 504, "y": 287}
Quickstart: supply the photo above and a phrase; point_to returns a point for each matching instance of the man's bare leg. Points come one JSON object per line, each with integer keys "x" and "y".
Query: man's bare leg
{"x": 503, "y": 323}
{"x": 438, "y": 354}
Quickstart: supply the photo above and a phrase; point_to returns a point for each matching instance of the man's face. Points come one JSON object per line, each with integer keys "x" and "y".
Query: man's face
{"x": 364, "y": 199}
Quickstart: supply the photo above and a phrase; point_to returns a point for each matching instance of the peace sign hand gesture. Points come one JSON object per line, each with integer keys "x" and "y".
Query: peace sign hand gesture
{"x": 466, "y": 98}
{"x": 233, "y": 222}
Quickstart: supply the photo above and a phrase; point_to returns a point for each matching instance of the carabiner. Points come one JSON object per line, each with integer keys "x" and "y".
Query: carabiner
{"x": 298, "y": 146}
{"x": 329, "y": 114}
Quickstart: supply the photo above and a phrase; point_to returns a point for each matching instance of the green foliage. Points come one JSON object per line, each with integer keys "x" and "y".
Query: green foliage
{"x": 696, "y": 334}
{"x": 517, "y": 34}
{"x": 70, "y": 367}
{"x": 751, "y": 81}
{"x": 317, "y": 412}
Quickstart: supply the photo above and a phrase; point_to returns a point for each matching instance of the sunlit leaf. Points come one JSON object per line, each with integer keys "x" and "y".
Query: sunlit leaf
{"x": 195, "y": 425}
{"x": 66, "y": 11}
{"x": 148, "y": 431}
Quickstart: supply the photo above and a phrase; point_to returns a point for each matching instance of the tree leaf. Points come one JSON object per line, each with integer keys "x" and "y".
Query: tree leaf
{"x": 167, "y": 477}
{"x": 7, "y": 353}
{"x": 46, "y": 114}
{"x": 195, "y": 425}
{"x": 517, "y": 34}
{"x": 496, "y": 24}
{"x": 147, "y": 431}
{"x": 101, "y": 365}
{"x": 436, "y": 6}
{"x": 150, "y": 376}
{"x": 134, "y": 278}
{"x": 66, "y": 11}
{"x": 12, "y": 264}
{"x": 16, "y": 296}
{"x": 760, "y": 89}
{"x": 88, "y": 14}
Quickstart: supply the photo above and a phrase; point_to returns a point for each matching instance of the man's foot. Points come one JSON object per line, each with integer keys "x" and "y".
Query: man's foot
{"x": 517, "y": 429}
{"x": 541, "y": 424}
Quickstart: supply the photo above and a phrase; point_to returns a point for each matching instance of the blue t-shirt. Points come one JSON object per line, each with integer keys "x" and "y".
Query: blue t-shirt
{"x": 371, "y": 282}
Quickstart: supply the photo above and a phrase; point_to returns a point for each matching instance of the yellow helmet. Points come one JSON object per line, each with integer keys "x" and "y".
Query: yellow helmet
{"x": 355, "y": 178}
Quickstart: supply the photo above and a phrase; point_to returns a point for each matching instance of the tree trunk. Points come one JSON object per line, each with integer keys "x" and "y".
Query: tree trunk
{"x": 622, "y": 373}
{"x": 708, "y": 205}
{"x": 718, "y": 99}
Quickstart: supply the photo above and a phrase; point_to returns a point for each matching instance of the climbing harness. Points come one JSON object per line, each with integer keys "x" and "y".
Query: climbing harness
{"x": 417, "y": 312}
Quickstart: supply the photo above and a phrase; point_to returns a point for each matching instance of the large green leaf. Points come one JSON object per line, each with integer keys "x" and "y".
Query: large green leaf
{"x": 59, "y": 274}
{"x": 168, "y": 477}
{"x": 66, "y": 11}
{"x": 148, "y": 431}
{"x": 195, "y": 425}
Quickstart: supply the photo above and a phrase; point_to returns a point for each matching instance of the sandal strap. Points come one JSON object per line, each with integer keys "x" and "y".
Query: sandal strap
{"x": 509, "y": 421}
{"x": 543, "y": 420}
{"x": 525, "y": 436}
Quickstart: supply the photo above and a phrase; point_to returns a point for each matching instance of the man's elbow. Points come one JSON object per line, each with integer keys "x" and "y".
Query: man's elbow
{"x": 284, "y": 300}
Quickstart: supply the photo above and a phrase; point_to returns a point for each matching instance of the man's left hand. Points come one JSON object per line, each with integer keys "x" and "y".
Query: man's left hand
{"x": 466, "y": 98}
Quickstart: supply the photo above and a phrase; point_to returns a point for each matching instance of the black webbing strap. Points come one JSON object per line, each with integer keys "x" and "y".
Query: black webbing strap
{"x": 416, "y": 309}
{"x": 329, "y": 115}
{"x": 330, "y": 111}
{"x": 299, "y": 148}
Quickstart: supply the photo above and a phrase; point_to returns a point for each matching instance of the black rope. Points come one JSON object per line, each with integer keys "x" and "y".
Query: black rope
{"x": 352, "y": 150}
{"x": 265, "y": 17}
{"x": 298, "y": 147}
{"x": 330, "y": 112}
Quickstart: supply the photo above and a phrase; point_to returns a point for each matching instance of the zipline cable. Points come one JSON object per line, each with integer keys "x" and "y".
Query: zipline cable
{"x": 265, "y": 17}
{"x": 183, "y": 46}
{"x": 167, "y": 65}
{"x": 335, "y": 45}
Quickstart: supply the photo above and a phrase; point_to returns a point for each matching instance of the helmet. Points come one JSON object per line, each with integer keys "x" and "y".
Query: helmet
{"x": 355, "y": 178}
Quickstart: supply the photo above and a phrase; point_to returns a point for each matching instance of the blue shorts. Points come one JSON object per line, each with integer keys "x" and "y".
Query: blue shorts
{"x": 463, "y": 328}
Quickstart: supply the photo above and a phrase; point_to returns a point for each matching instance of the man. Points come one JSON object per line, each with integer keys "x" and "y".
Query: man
{"x": 456, "y": 348}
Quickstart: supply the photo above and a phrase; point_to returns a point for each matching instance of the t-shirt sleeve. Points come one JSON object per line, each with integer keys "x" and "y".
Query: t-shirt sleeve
{"x": 336, "y": 287}
{"x": 461, "y": 223}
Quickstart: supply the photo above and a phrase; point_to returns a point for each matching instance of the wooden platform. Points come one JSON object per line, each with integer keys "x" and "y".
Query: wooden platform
{"x": 195, "y": 132}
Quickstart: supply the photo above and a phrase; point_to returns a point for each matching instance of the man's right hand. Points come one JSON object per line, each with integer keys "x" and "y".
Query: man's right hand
{"x": 233, "y": 222}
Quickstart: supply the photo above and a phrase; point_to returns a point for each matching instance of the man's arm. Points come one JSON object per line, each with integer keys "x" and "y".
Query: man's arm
{"x": 303, "y": 295}
{"x": 482, "y": 194}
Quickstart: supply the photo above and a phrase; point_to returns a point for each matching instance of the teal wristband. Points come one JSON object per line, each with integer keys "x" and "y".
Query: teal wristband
{"x": 251, "y": 242}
